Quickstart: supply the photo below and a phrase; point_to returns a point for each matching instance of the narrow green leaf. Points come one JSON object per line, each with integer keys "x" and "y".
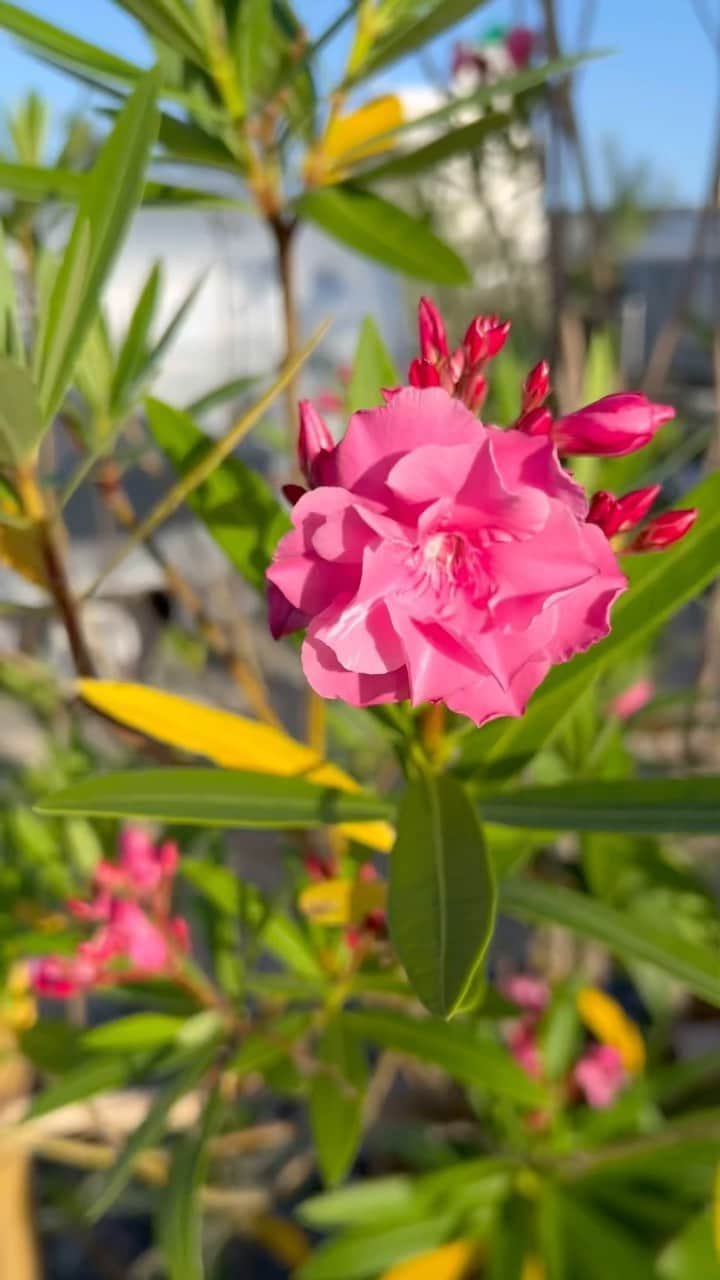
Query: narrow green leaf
{"x": 357, "y": 1254}
{"x": 213, "y": 797}
{"x": 429, "y": 19}
{"x": 187, "y": 143}
{"x": 460, "y": 141}
{"x": 660, "y": 584}
{"x": 337, "y": 1094}
{"x": 373, "y": 368}
{"x": 360, "y": 1204}
{"x": 179, "y": 1226}
{"x": 236, "y": 505}
{"x": 220, "y": 395}
{"x": 614, "y": 1252}
{"x": 380, "y": 230}
{"x": 130, "y": 360}
{"x": 456, "y": 1047}
{"x": 639, "y": 806}
{"x": 442, "y": 892}
{"x": 86, "y": 1080}
{"x": 11, "y": 339}
{"x": 136, "y": 1031}
{"x": 21, "y": 423}
{"x": 628, "y": 936}
{"x": 170, "y": 22}
{"x": 693, "y": 1254}
{"x": 149, "y": 1132}
{"x": 253, "y": 35}
{"x": 110, "y": 195}
{"x": 38, "y": 184}
{"x": 67, "y": 49}
{"x": 173, "y": 326}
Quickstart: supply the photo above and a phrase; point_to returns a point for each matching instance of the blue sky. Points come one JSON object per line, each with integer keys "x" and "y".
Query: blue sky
{"x": 655, "y": 97}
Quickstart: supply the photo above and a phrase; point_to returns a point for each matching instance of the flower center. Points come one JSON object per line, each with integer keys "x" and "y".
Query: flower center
{"x": 444, "y": 557}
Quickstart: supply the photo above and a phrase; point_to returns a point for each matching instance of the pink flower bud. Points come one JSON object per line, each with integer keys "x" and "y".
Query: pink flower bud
{"x": 314, "y": 439}
{"x": 538, "y": 422}
{"x": 617, "y": 515}
{"x": 475, "y": 392}
{"x": 423, "y": 374}
{"x": 600, "y": 1075}
{"x": 433, "y": 338}
{"x": 319, "y": 868}
{"x": 611, "y": 427}
{"x": 664, "y": 530}
{"x": 484, "y": 337}
{"x": 632, "y": 699}
{"x": 536, "y": 387}
{"x": 520, "y": 42}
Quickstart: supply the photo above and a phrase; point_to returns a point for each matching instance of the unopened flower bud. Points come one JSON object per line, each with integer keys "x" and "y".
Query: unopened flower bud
{"x": 664, "y": 530}
{"x": 433, "y": 338}
{"x": 536, "y": 387}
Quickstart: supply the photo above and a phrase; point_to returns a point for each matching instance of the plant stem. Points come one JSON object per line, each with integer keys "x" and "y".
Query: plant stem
{"x": 57, "y": 579}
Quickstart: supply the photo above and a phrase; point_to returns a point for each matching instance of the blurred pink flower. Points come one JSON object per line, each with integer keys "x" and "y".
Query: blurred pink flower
{"x": 632, "y": 699}
{"x": 520, "y": 43}
{"x": 524, "y": 989}
{"x": 600, "y": 1075}
{"x": 441, "y": 560}
{"x": 524, "y": 1047}
{"x": 136, "y": 937}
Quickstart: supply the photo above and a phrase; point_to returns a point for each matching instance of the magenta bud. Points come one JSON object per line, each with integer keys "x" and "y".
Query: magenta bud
{"x": 618, "y": 515}
{"x": 536, "y": 387}
{"x": 293, "y": 493}
{"x": 520, "y": 42}
{"x": 423, "y": 374}
{"x": 664, "y": 530}
{"x": 602, "y": 511}
{"x": 433, "y": 338}
{"x": 611, "y": 427}
{"x": 314, "y": 439}
{"x": 484, "y": 338}
{"x": 475, "y": 392}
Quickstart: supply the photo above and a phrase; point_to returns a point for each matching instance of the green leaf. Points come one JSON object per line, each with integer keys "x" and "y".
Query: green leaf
{"x": 171, "y": 23}
{"x": 66, "y": 49}
{"x": 660, "y": 584}
{"x": 132, "y": 354}
{"x": 360, "y": 1204}
{"x": 639, "y": 806}
{"x": 149, "y": 1131}
{"x": 177, "y": 319}
{"x": 21, "y": 423}
{"x": 235, "y": 503}
{"x": 371, "y": 1252}
{"x": 220, "y": 395}
{"x": 455, "y": 1047}
{"x": 613, "y": 1252}
{"x": 693, "y": 1254}
{"x": 625, "y": 934}
{"x": 110, "y": 195}
{"x": 85, "y": 1081}
{"x": 253, "y": 39}
{"x": 380, "y": 230}
{"x": 189, "y": 144}
{"x": 179, "y": 1226}
{"x": 11, "y": 339}
{"x": 460, "y": 141}
{"x": 373, "y": 368}
{"x": 137, "y": 1031}
{"x": 337, "y": 1094}
{"x": 442, "y": 892}
{"x": 213, "y": 797}
{"x": 429, "y": 19}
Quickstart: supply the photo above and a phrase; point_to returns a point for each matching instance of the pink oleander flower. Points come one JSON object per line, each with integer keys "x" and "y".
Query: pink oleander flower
{"x": 599, "y": 1075}
{"x": 632, "y": 699}
{"x": 136, "y": 935}
{"x": 441, "y": 560}
{"x": 524, "y": 1047}
{"x": 524, "y": 989}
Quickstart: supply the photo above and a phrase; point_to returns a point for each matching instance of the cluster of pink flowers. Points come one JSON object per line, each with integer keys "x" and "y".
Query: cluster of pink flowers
{"x": 598, "y": 1076}
{"x": 520, "y": 43}
{"x": 136, "y": 936}
{"x": 439, "y": 559}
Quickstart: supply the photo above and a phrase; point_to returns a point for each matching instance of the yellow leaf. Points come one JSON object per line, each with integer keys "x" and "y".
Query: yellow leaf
{"x": 285, "y": 1241}
{"x": 21, "y": 550}
{"x": 449, "y": 1262}
{"x": 342, "y": 902}
{"x": 232, "y": 741}
{"x": 609, "y": 1023}
{"x": 354, "y": 137}
{"x": 533, "y": 1268}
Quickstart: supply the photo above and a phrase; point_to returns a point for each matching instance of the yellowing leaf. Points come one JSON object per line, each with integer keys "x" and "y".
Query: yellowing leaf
{"x": 449, "y": 1262}
{"x": 342, "y": 902}
{"x": 21, "y": 550}
{"x": 533, "y": 1268}
{"x": 285, "y": 1241}
{"x": 354, "y": 137}
{"x": 610, "y": 1025}
{"x": 230, "y": 740}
